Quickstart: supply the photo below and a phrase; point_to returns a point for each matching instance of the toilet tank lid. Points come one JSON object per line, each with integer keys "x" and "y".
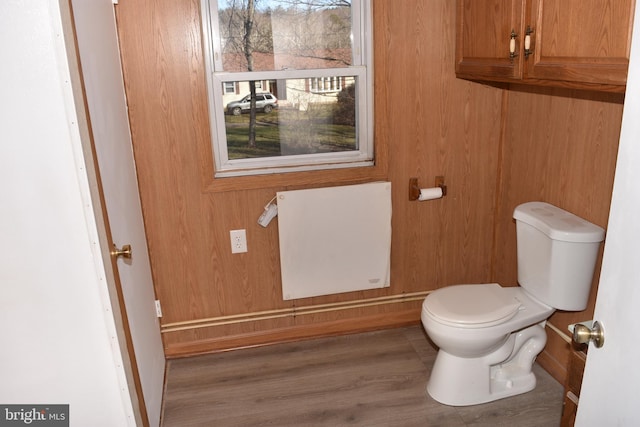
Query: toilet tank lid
{"x": 557, "y": 223}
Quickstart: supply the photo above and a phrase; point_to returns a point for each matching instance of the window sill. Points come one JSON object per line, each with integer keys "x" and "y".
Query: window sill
{"x": 298, "y": 179}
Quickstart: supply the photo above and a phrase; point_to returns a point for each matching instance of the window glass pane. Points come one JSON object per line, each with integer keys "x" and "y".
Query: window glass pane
{"x": 284, "y": 34}
{"x": 291, "y": 119}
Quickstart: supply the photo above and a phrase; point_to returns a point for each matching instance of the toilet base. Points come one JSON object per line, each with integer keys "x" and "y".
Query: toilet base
{"x": 515, "y": 383}
{"x": 506, "y": 372}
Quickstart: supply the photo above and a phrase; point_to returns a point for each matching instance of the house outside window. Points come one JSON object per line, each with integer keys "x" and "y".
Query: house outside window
{"x": 294, "y": 91}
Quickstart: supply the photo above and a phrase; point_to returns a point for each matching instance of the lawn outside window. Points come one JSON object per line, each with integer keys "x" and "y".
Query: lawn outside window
{"x": 290, "y": 85}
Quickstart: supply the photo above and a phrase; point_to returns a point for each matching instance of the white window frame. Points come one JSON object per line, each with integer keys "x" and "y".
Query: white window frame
{"x": 362, "y": 70}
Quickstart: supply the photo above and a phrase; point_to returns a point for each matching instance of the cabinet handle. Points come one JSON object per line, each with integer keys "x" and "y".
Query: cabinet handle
{"x": 527, "y": 42}
{"x": 512, "y": 45}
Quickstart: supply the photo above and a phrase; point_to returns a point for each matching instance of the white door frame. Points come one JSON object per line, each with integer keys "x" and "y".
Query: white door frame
{"x": 121, "y": 328}
{"x": 99, "y": 87}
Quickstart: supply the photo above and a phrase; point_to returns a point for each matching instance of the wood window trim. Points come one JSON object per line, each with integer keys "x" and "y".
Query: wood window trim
{"x": 324, "y": 177}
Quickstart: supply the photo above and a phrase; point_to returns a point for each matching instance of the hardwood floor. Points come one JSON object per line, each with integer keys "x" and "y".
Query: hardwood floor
{"x": 370, "y": 379}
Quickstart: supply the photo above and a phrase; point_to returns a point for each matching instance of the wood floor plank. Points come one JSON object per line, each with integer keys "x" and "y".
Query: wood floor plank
{"x": 370, "y": 379}
{"x": 541, "y": 407}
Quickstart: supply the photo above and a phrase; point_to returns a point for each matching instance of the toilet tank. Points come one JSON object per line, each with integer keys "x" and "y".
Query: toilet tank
{"x": 557, "y": 254}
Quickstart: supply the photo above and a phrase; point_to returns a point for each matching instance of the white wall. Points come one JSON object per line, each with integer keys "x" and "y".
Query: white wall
{"x": 57, "y": 332}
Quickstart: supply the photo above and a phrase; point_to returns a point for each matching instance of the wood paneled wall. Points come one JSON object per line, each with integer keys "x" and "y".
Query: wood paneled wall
{"x": 559, "y": 146}
{"x": 437, "y": 125}
{"x": 496, "y": 148}
{"x": 428, "y": 122}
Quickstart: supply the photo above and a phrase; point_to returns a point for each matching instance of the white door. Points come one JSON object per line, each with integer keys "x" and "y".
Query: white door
{"x": 100, "y": 62}
{"x": 611, "y": 385}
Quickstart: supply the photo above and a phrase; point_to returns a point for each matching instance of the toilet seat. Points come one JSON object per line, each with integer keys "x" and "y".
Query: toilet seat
{"x": 472, "y": 306}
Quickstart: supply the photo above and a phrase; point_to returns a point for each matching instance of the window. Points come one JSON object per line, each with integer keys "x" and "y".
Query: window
{"x": 229, "y": 87}
{"x": 290, "y": 84}
{"x": 325, "y": 84}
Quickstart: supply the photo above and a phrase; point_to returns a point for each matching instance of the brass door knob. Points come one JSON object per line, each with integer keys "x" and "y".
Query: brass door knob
{"x": 125, "y": 252}
{"x": 583, "y": 335}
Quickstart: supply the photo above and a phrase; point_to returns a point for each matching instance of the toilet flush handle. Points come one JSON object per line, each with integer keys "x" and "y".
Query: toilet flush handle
{"x": 583, "y": 334}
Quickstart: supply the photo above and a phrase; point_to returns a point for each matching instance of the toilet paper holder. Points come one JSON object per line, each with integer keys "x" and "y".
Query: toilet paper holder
{"x": 414, "y": 188}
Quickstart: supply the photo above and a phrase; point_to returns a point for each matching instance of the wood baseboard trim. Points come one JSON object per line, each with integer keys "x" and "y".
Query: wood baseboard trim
{"x": 295, "y": 333}
{"x": 294, "y": 311}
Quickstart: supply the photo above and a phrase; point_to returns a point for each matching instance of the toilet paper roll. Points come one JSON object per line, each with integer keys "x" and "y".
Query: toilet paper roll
{"x": 430, "y": 193}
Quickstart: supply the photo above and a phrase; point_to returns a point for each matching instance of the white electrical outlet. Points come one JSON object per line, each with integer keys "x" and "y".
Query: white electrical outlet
{"x": 238, "y": 241}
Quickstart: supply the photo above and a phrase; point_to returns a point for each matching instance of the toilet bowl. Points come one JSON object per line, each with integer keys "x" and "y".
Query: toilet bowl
{"x": 489, "y": 335}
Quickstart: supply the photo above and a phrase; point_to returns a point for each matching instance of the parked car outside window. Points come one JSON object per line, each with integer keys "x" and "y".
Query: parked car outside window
{"x": 265, "y": 102}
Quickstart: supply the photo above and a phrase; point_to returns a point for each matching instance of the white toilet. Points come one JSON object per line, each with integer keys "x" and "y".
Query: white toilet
{"x": 489, "y": 336}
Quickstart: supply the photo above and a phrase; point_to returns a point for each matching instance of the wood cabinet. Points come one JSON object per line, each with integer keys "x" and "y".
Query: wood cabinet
{"x": 483, "y": 38}
{"x": 572, "y": 43}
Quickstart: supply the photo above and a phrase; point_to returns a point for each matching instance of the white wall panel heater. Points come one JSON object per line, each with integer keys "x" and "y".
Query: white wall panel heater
{"x": 334, "y": 240}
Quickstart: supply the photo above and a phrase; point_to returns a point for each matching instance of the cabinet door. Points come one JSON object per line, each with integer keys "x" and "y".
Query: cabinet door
{"x": 580, "y": 40}
{"x": 483, "y": 38}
